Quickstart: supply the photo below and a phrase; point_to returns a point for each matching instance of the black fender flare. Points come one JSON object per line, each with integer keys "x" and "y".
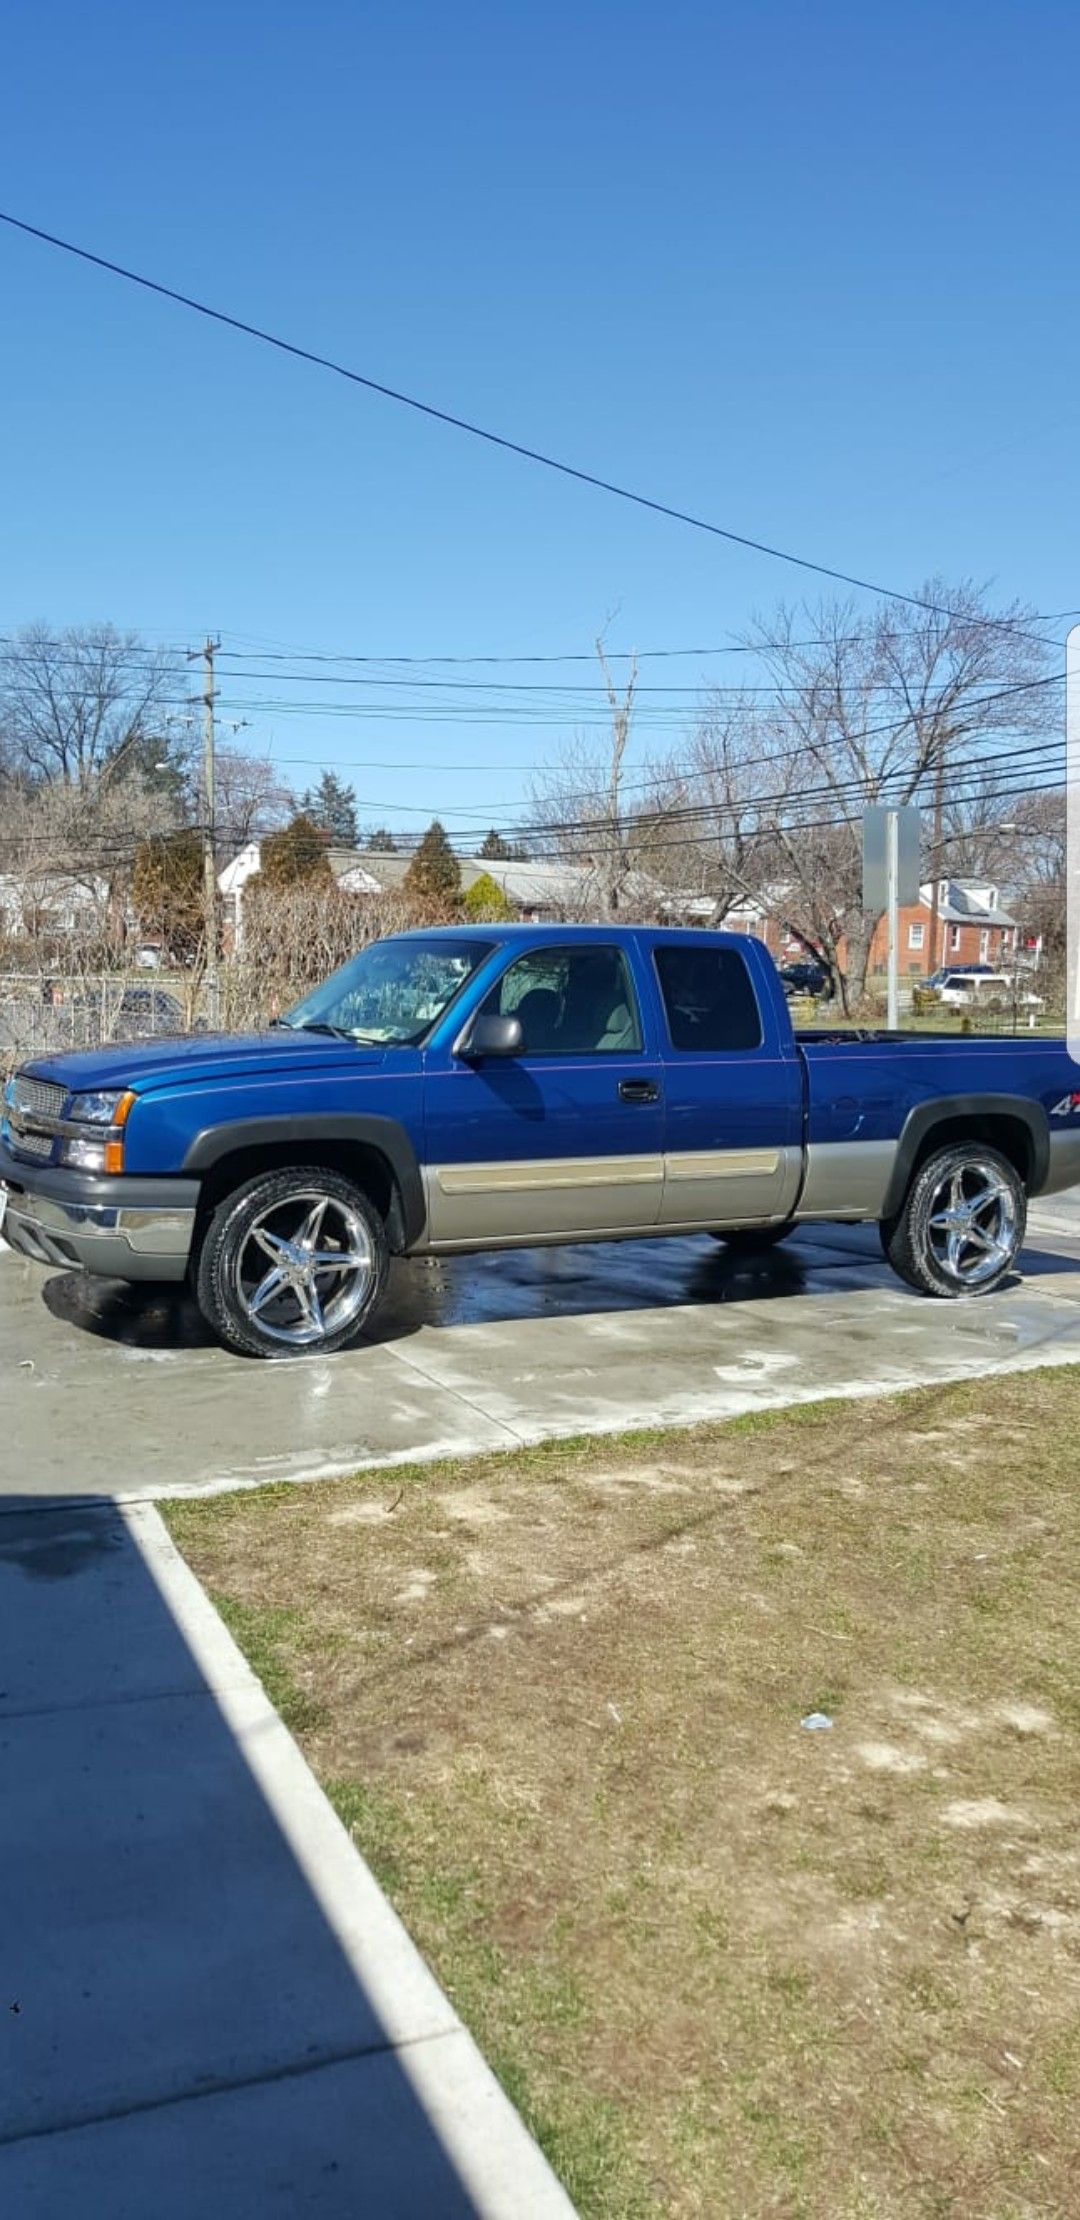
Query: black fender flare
{"x": 919, "y": 1126}
{"x": 384, "y": 1134}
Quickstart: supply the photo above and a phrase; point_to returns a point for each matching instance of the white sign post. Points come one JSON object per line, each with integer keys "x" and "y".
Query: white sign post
{"x": 892, "y": 881}
{"x": 892, "y": 846}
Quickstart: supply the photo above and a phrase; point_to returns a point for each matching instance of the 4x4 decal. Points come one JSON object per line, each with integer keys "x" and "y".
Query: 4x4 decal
{"x": 1068, "y": 1106}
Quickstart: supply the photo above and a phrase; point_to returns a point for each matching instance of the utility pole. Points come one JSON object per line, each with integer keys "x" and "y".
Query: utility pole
{"x": 213, "y": 990}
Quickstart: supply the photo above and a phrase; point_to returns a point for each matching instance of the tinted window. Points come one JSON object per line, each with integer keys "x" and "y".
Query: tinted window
{"x": 570, "y": 1002}
{"x": 708, "y": 999}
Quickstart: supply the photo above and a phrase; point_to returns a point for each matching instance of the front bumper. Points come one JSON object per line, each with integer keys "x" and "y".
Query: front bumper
{"x": 118, "y": 1227}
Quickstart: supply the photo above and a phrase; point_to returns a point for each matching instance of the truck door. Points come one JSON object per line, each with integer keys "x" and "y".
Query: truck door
{"x": 563, "y": 1140}
{"x": 733, "y": 1090}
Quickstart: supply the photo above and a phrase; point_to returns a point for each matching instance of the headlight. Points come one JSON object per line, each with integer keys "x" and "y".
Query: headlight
{"x": 85, "y": 1156}
{"x": 98, "y": 1109}
{"x": 101, "y": 1150}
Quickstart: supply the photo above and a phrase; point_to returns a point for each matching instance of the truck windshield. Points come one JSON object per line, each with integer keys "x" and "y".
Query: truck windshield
{"x": 394, "y": 991}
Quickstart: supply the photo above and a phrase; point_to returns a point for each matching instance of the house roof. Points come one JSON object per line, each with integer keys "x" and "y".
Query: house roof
{"x": 526, "y": 882}
{"x": 966, "y": 904}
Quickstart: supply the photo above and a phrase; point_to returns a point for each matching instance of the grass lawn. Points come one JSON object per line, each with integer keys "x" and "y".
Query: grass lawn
{"x": 724, "y": 1966}
{"x": 977, "y": 1024}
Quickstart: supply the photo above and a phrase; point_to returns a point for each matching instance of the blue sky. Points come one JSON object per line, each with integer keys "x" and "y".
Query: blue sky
{"x": 805, "y": 270}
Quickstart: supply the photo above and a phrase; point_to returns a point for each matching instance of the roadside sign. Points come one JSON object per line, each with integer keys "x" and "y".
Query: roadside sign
{"x": 876, "y": 856}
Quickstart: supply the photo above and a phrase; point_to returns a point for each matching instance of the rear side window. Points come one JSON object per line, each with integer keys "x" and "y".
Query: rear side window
{"x": 709, "y": 1001}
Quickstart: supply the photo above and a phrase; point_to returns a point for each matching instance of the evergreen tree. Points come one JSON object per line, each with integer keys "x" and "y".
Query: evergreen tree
{"x": 297, "y": 852}
{"x": 167, "y": 890}
{"x": 486, "y": 902}
{"x": 434, "y": 873}
{"x": 332, "y": 806}
{"x": 495, "y": 848}
{"x": 382, "y": 840}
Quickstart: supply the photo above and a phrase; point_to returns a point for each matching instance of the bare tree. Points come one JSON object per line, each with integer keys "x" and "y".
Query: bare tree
{"x": 250, "y": 798}
{"x": 699, "y": 831}
{"x": 578, "y": 805}
{"x": 1032, "y": 870}
{"x": 295, "y": 936}
{"x": 73, "y": 704}
{"x": 894, "y": 709}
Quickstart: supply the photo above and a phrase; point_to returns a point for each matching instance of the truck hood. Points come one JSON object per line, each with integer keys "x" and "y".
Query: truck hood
{"x": 193, "y": 1057}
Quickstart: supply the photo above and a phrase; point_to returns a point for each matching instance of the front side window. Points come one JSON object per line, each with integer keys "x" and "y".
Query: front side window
{"x": 709, "y": 1001}
{"x": 915, "y": 936}
{"x": 570, "y": 1002}
{"x": 393, "y": 992}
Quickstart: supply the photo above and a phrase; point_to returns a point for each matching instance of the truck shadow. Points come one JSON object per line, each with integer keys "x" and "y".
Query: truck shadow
{"x": 561, "y": 1282}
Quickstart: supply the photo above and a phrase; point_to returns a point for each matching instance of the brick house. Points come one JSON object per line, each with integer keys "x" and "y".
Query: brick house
{"x": 972, "y": 927}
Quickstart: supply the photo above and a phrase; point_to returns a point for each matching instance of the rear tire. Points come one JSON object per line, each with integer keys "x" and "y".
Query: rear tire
{"x": 961, "y": 1224}
{"x": 292, "y": 1264}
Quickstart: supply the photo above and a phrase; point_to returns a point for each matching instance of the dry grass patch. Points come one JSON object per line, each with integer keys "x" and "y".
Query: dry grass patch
{"x": 724, "y": 1966}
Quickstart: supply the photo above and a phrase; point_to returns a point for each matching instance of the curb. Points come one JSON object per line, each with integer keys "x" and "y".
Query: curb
{"x": 500, "y": 2166}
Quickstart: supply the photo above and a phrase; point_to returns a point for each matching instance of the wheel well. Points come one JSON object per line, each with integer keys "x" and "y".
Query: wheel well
{"x": 355, "y": 1160}
{"x": 996, "y": 1130}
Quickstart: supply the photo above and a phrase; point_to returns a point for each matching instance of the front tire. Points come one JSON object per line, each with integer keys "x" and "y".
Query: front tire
{"x": 961, "y": 1224}
{"x": 292, "y": 1264}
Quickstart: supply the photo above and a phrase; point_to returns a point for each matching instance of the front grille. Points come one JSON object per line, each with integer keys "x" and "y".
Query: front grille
{"x": 36, "y": 1097}
{"x": 31, "y": 1144}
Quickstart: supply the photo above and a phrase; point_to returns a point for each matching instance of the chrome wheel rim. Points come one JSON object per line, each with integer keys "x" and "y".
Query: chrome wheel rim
{"x": 304, "y": 1269}
{"x": 973, "y": 1224}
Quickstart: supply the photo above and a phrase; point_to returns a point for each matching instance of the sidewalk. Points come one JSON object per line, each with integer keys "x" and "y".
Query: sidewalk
{"x": 1058, "y": 1214}
{"x": 206, "y": 2004}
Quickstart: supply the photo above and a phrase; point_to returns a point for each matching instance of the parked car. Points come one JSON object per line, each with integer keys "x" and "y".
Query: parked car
{"x": 145, "y": 1011}
{"x": 138, "y": 1014}
{"x": 806, "y": 978}
{"x": 977, "y": 985}
{"x": 461, "y": 1089}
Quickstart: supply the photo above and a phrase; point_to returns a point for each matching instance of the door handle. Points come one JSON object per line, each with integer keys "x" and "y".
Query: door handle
{"x": 638, "y": 1090}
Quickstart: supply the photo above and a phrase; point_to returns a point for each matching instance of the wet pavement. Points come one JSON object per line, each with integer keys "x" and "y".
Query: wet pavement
{"x": 119, "y": 1391}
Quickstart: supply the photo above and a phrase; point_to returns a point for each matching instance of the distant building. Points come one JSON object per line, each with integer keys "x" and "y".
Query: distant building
{"x": 972, "y": 927}
{"x": 536, "y": 890}
{"x": 36, "y": 902}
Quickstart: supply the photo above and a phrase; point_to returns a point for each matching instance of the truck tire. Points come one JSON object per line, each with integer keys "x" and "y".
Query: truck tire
{"x": 292, "y": 1264}
{"x": 961, "y": 1223}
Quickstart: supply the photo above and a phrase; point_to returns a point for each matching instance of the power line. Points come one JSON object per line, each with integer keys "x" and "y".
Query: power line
{"x": 663, "y": 780}
{"x": 856, "y": 789}
{"x": 113, "y": 849}
{"x": 631, "y": 655}
{"x": 870, "y": 731}
{"x": 474, "y": 431}
{"x": 806, "y": 825}
{"x": 63, "y": 643}
{"x": 515, "y": 687}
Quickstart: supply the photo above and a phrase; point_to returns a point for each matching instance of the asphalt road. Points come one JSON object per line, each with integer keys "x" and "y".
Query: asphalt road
{"x": 111, "y": 1390}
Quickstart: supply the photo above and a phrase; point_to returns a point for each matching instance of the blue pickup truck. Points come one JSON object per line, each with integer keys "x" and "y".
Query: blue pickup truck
{"x": 459, "y": 1089}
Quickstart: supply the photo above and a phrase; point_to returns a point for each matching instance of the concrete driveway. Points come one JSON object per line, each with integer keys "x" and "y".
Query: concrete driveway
{"x": 112, "y": 1391}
